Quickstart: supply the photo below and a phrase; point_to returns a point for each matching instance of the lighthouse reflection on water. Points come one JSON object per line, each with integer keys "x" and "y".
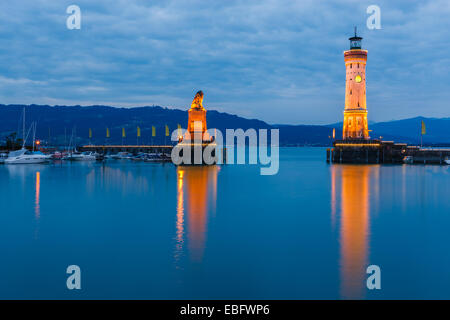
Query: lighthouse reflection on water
{"x": 352, "y": 187}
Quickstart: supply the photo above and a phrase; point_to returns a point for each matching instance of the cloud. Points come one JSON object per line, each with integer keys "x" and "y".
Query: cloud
{"x": 21, "y": 81}
{"x": 277, "y": 60}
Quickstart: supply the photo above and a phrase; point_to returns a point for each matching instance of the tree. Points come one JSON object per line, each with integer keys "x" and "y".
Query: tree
{"x": 12, "y": 142}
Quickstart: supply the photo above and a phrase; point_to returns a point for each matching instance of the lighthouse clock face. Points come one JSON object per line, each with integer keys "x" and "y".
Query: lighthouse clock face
{"x": 358, "y": 78}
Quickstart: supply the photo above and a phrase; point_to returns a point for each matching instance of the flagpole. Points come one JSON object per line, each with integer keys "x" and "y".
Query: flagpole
{"x": 153, "y": 134}
{"x": 422, "y": 132}
{"x": 421, "y": 140}
{"x": 138, "y": 135}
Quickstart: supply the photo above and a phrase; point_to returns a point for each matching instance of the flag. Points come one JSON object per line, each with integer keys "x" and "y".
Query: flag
{"x": 424, "y": 128}
{"x": 90, "y": 133}
{"x": 334, "y": 133}
{"x": 179, "y": 131}
{"x": 107, "y": 132}
{"x": 138, "y": 132}
{"x": 167, "y": 130}
{"x": 123, "y": 133}
{"x": 153, "y": 131}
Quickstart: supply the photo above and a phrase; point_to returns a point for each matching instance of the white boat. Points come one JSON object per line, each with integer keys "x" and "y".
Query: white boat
{"x": 121, "y": 156}
{"x": 152, "y": 157}
{"x": 447, "y": 160}
{"x": 81, "y": 156}
{"x": 24, "y": 156}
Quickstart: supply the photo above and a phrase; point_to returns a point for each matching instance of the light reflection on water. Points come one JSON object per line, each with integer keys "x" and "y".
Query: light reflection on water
{"x": 180, "y": 219}
{"x": 199, "y": 186}
{"x": 353, "y": 191}
{"x": 37, "y": 208}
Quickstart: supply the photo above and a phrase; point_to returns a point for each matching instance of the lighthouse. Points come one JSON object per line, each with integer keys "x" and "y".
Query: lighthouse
{"x": 356, "y": 146}
{"x": 355, "y": 113}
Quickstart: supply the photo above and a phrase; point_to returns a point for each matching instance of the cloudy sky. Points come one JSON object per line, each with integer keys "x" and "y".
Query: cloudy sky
{"x": 275, "y": 60}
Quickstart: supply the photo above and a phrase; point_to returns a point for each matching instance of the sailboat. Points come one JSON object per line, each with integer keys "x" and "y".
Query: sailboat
{"x": 25, "y": 156}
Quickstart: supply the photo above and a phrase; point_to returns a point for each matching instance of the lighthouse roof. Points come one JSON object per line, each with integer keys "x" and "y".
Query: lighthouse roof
{"x": 355, "y": 41}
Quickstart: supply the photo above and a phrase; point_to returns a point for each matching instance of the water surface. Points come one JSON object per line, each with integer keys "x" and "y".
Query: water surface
{"x": 155, "y": 231}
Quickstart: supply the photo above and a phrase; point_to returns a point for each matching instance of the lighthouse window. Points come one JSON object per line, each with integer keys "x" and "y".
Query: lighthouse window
{"x": 350, "y": 65}
{"x": 358, "y": 65}
{"x": 350, "y": 91}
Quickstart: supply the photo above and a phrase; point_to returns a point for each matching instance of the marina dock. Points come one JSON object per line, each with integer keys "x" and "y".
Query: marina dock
{"x": 113, "y": 149}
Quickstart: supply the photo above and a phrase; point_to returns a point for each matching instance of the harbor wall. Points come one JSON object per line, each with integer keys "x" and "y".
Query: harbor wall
{"x": 377, "y": 151}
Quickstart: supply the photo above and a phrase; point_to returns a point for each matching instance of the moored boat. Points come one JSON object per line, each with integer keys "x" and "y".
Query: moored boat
{"x": 121, "y": 156}
{"x": 157, "y": 157}
{"x": 152, "y": 157}
{"x": 24, "y": 156}
{"x": 81, "y": 156}
{"x": 58, "y": 155}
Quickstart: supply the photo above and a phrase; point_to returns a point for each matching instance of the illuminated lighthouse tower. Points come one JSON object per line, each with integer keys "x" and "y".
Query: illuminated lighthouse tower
{"x": 355, "y": 114}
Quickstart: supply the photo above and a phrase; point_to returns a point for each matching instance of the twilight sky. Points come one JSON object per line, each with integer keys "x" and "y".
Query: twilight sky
{"x": 275, "y": 60}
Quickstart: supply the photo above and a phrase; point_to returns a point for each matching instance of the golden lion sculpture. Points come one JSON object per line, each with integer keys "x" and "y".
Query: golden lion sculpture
{"x": 197, "y": 103}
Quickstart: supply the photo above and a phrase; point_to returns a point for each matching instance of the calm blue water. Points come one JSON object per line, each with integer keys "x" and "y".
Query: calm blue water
{"x": 155, "y": 231}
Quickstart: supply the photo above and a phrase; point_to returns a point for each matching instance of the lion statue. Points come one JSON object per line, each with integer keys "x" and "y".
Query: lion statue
{"x": 197, "y": 103}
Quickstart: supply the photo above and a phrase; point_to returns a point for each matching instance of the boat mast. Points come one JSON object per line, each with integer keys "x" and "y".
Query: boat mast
{"x": 34, "y": 133}
{"x": 23, "y": 129}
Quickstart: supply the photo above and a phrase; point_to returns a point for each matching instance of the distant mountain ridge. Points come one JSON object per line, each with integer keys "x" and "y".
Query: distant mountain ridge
{"x": 56, "y": 124}
{"x": 408, "y": 130}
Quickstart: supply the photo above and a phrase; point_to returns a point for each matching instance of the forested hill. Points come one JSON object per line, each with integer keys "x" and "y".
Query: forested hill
{"x": 58, "y": 123}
